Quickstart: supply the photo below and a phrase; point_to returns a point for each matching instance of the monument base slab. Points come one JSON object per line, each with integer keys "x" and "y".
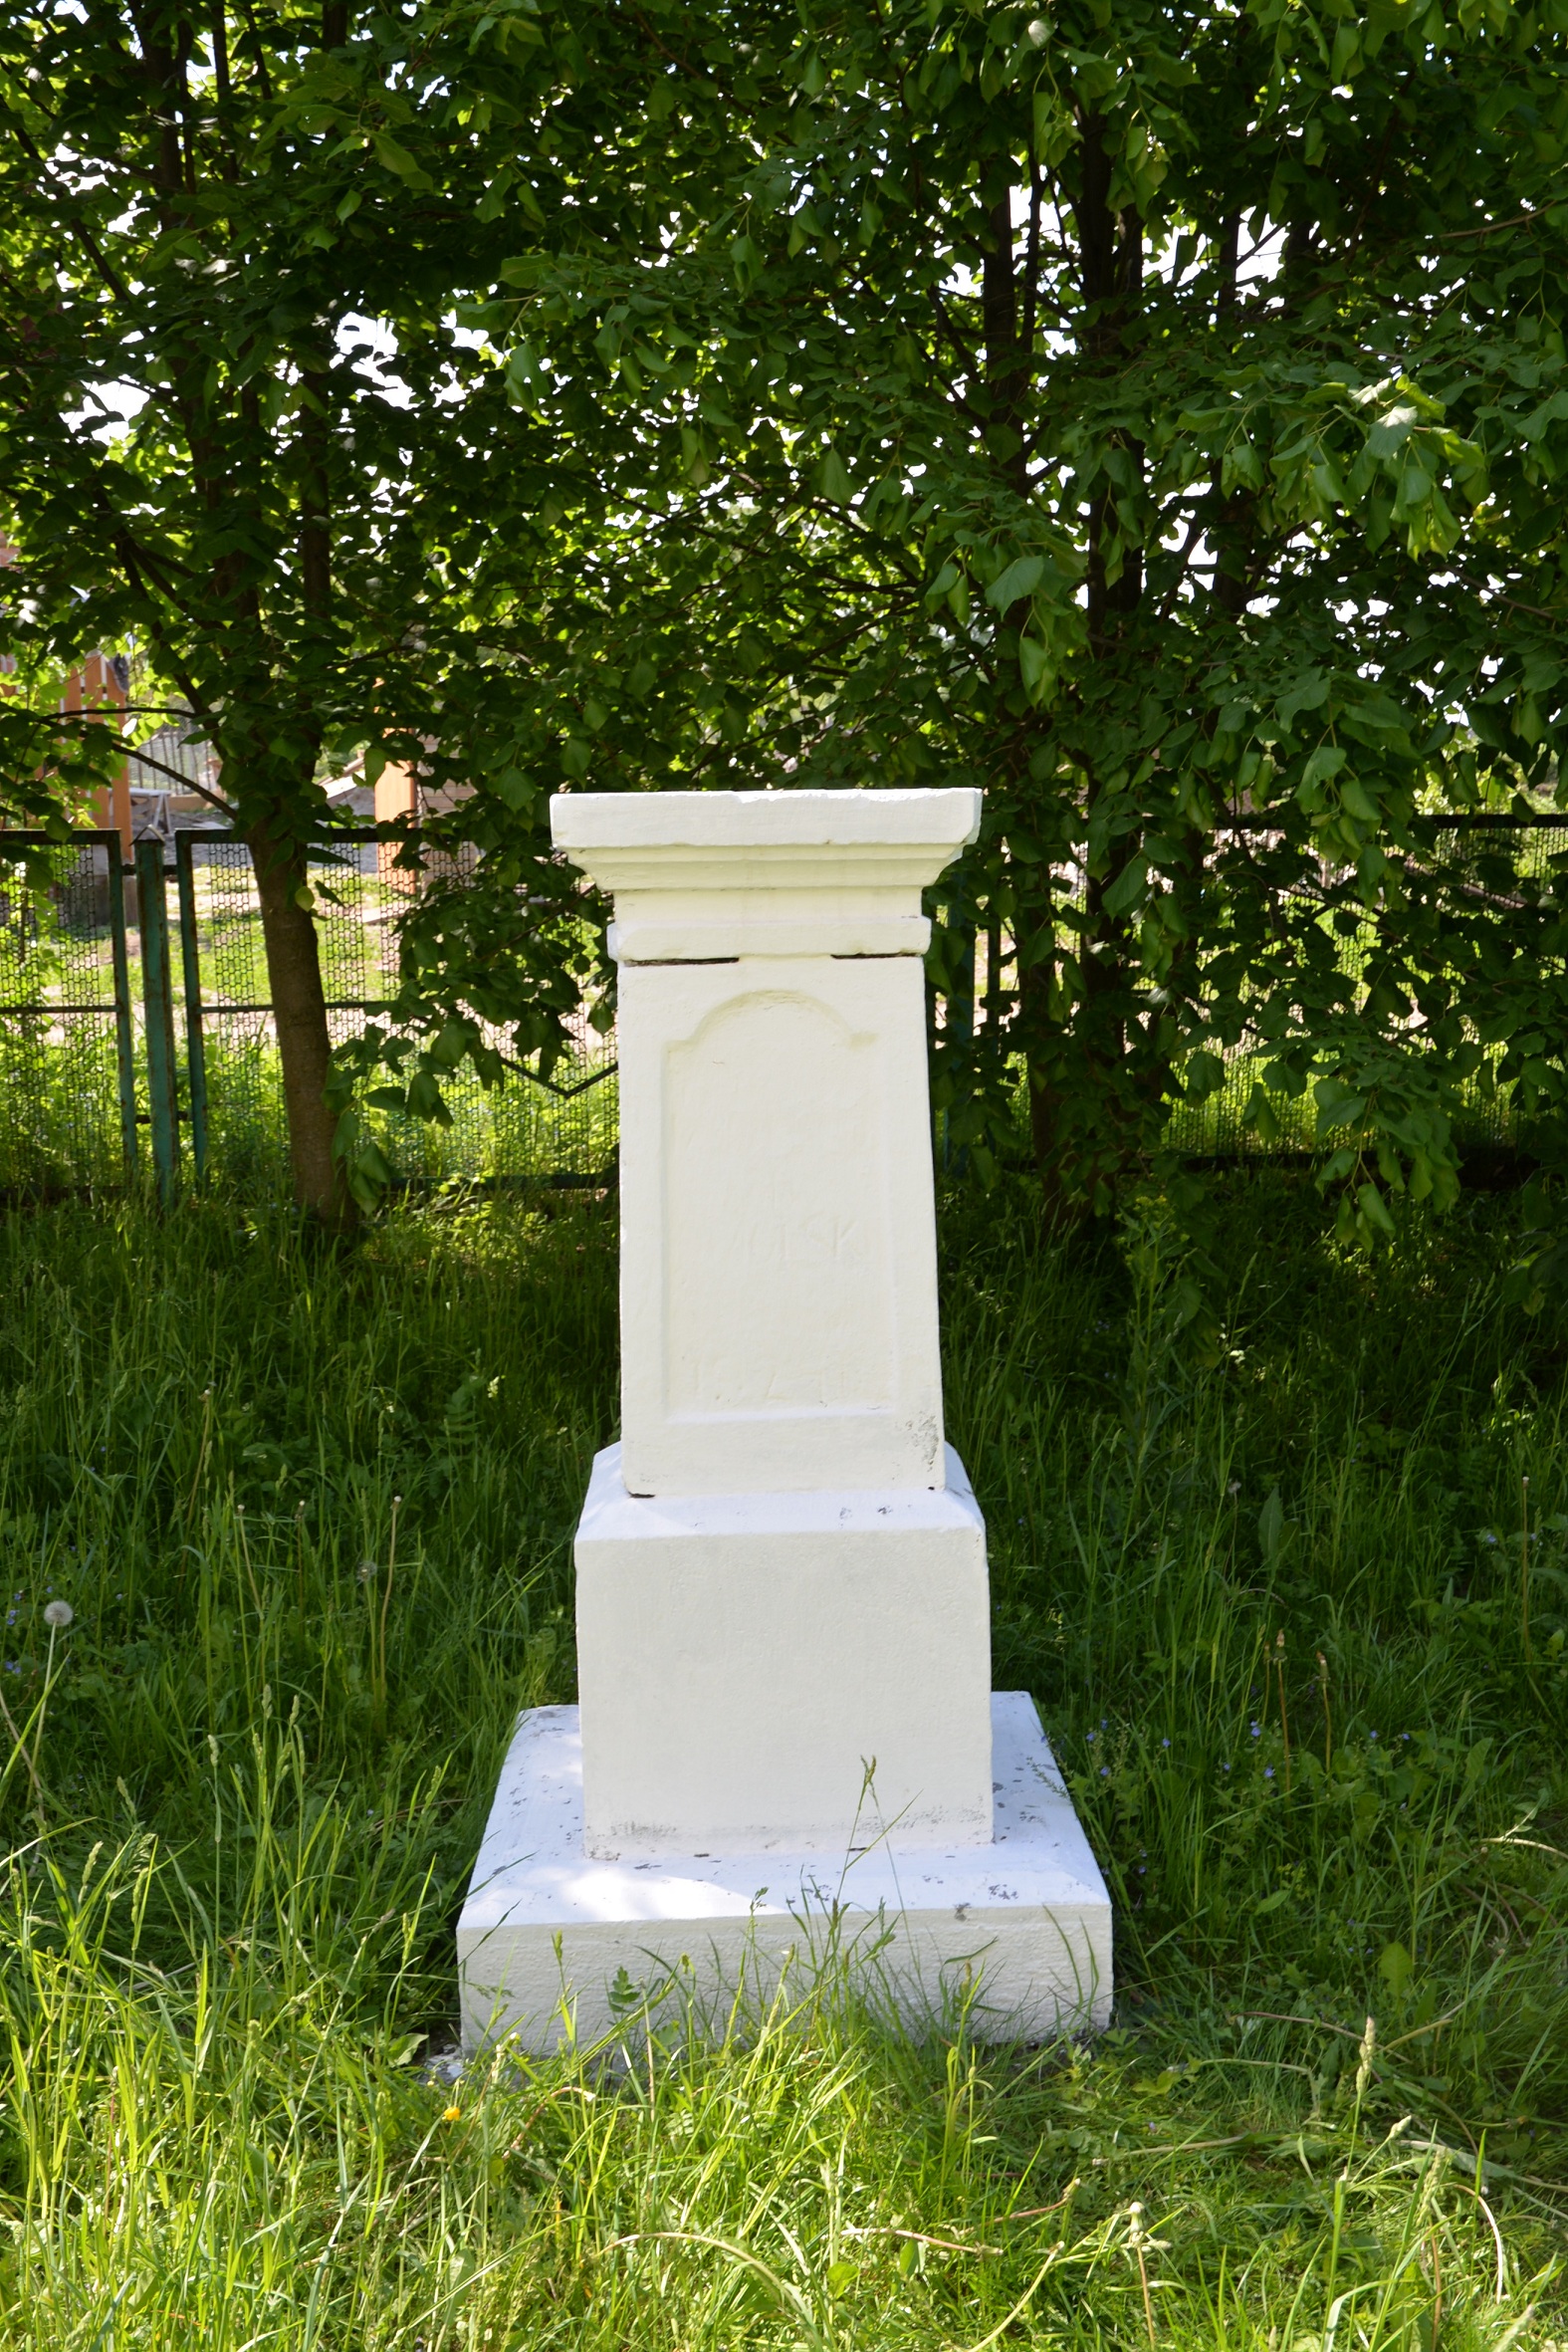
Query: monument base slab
{"x": 1014, "y": 1934}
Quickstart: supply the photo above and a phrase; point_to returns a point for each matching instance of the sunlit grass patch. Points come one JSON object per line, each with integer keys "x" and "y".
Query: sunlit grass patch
{"x": 310, "y": 1509}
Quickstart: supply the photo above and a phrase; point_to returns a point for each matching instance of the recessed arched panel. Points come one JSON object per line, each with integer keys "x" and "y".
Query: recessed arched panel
{"x": 776, "y": 1227}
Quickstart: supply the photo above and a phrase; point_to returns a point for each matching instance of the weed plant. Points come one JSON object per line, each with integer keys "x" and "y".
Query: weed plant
{"x": 1293, "y": 1603}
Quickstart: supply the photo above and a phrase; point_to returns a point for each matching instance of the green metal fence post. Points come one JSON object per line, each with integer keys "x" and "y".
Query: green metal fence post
{"x": 190, "y": 967}
{"x": 157, "y": 996}
{"x": 124, "y": 1023}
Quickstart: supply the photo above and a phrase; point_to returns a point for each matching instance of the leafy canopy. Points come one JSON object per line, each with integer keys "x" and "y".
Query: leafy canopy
{"x": 1151, "y": 413}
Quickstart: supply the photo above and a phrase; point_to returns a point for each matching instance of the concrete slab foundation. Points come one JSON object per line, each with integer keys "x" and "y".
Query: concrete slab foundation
{"x": 1016, "y": 1933}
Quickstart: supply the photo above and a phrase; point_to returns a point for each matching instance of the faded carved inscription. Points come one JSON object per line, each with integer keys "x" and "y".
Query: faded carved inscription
{"x": 778, "y": 1215}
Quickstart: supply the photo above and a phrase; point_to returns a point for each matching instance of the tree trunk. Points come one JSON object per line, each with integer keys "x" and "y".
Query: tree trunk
{"x": 1007, "y": 358}
{"x": 1110, "y": 262}
{"x": 299, "y": 1001}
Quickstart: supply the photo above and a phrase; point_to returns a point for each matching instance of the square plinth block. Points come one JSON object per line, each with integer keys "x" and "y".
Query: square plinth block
{"x": 745, "y": 1661}
{"x": 1017, "y": 1932}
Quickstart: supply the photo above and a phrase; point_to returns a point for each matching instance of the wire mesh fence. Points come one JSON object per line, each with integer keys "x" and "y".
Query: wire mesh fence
{"x": 526, "y": 1129}
{"x": 66, "y": 1015}
{"x": 1492, "y": 866}
{"x": 92, "y": 985}
{"x": 1484, "y": 868}
{"x": 94, "y": 990}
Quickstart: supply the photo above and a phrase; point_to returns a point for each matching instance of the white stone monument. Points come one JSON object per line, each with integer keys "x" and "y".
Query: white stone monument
{"x": 783, "y": 1648}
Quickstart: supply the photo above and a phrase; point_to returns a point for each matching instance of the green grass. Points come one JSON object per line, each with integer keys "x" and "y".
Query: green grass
{"x": 312, "y": 1512}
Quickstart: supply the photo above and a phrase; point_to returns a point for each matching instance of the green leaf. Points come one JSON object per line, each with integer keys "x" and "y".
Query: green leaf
{"x": 1324, "y": 763}
{"x": 515, "y": 787}
{"x": 832, "y": 480}
{"x": 1393, "y": 429}
{"x": 394, "y": 157}
{"x": 1308, "y": 693}
{"x": 1375, "y": 1209}
{"x": 1396, "y": 1967}
{"x": 1549, "y": 412}
{"x": 1128, "y": 887}
{"x": 1271, "y": 1526}
{"x": 1037, "y": 667}
{"x": 1020, "y": 579}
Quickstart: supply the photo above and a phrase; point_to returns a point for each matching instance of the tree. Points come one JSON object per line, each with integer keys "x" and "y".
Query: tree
{"x": 1152, "y": 412}
{"x": 239, "y": 427}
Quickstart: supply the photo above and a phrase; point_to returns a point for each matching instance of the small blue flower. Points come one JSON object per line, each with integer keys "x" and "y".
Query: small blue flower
{"x": 1088, "y": 1735}
{"x": 1269, "y": 1772}
{"x": 1224, "y": 1768}
{"x": 1106, "y": 1772}
{"x": 1372, "y": 1734}
{"x": 1256, "y": 1734}
{"x": 1165, "y": 1743}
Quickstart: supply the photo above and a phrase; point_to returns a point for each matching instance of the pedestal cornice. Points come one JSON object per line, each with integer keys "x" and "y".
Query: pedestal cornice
{"x": 705, "y": 878}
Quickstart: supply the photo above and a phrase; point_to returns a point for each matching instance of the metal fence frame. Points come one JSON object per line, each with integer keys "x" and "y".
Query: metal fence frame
{"x": 201, "y": 962}
{"x": 193, "y": 1008}
{"x": 108, "y": 840}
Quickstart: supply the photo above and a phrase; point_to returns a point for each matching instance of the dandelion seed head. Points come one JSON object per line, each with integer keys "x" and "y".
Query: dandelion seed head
{"x": 58, "y": 1614}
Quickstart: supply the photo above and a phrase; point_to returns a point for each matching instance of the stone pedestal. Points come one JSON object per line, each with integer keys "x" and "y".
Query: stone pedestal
{"x": 783, "y": 1623}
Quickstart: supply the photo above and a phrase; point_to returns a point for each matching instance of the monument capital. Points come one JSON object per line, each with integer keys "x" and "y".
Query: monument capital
{"x": 704, "y": 877}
